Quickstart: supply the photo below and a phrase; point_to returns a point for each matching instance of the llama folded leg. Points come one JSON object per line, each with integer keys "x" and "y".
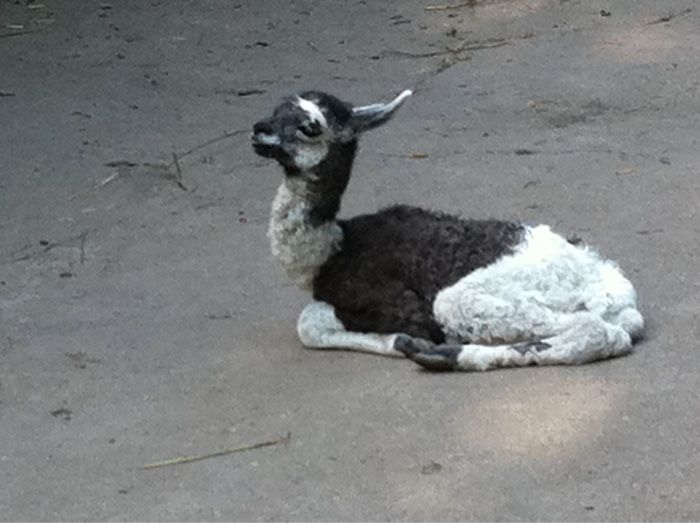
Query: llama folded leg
{"x": 319, "y": 328}
{"x": 585, "y": 338}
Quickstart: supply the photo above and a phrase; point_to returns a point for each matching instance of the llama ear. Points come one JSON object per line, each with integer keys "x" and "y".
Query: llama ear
{"x": 370, "y": 116}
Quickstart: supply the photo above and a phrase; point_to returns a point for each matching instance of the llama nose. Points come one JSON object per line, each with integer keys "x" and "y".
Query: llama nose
{"x": 263, "y": 128}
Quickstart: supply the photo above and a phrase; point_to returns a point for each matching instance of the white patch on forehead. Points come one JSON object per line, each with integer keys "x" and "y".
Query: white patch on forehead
{"x": 313, "y": 110}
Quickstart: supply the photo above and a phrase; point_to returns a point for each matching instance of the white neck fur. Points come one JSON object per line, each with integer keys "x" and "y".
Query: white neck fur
{"x": 300, "y": 246}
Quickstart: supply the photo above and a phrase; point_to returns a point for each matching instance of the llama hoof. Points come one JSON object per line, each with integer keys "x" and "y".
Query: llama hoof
{"x": 528, "y": 346}
{"x": 410, "y": 346}
{"x": 440, "y": 359}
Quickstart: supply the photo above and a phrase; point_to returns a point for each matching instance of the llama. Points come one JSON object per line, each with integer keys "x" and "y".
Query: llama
{"x": 447, "y": 292}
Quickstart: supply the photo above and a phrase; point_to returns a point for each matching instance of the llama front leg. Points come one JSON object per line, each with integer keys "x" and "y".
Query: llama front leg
{"x": 319, "y": 328}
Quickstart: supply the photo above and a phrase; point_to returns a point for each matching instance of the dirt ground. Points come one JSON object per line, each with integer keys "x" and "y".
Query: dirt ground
{"x": 142, "y": 317}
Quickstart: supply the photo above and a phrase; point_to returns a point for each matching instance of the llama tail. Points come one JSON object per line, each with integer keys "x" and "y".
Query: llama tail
{"x": 588, "y": 338}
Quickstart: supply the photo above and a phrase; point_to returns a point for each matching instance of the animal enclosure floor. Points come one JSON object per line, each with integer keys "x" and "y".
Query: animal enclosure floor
{"x": 142, "y": 318}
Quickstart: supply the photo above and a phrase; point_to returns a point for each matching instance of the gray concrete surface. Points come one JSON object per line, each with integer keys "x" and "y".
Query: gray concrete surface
{"x": 141, "y": 321}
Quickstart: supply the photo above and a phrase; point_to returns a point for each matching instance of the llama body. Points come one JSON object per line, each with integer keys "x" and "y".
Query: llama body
{"x": 447, "y": 292}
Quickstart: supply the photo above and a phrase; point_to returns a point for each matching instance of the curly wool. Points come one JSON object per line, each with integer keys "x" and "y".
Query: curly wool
{"x": 392, "y": 264}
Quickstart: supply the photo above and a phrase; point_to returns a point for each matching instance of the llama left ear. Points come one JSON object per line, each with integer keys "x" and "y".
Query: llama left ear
{"x": 368, "y": 117}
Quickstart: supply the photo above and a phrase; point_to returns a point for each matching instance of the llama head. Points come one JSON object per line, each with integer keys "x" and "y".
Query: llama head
{"x": 303, "y": 130}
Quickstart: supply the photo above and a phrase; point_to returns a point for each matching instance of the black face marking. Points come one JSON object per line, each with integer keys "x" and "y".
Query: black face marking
{"x": 271, "y": 151}
{"x": 275, "y": 137}
{"x": 311, "y": 129}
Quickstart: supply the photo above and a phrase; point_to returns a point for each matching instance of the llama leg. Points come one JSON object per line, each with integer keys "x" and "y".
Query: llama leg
{"x": 615, "y": 299}
{"x": 585, "y": 338}
{"x": 631, "y": 320}
{"x": 488, "y": 319}
{"x": 319, "y": 328}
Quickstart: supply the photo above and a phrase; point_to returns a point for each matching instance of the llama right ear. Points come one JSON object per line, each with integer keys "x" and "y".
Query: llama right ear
{"x": 368, "y": 117}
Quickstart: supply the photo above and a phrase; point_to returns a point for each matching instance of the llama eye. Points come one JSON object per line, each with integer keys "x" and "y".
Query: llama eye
{"x": 310, "y": 129}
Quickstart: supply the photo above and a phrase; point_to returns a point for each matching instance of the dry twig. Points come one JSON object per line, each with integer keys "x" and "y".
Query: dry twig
{"x": 178, "y": 179}
{"x": 467, "y": 45}
{"x": 20, "y": 33}
{"x": 211, "y": 142}
{"x": 447, "y": 7}
{"x": 670, "y": 16}
{"x": 189, "y": 459}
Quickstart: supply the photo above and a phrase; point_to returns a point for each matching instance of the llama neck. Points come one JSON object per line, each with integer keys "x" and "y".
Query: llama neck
{"x": 303, "y": 232}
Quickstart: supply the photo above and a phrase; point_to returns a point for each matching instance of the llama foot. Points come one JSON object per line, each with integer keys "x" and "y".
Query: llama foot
{"x": 440, "y": 359}
{"x": 428, "y": 355}
{"x": 411, "y": 346}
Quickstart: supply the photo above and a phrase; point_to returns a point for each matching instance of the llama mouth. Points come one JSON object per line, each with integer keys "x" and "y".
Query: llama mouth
{"x": 266, "y": 151}
{"x": 267, "y": 146}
